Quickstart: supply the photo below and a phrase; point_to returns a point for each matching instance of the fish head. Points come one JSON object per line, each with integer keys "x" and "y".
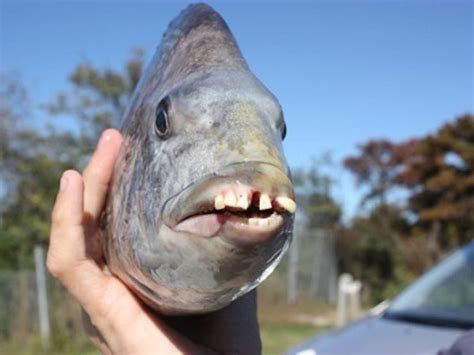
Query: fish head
{"x": 202, "y": 203}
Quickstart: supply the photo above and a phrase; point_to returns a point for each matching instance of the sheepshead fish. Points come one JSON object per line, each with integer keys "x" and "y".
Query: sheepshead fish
{"x": 201, "y": 205}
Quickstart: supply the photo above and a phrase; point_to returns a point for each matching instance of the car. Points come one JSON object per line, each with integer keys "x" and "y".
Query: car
{"x": 426, "y": 317}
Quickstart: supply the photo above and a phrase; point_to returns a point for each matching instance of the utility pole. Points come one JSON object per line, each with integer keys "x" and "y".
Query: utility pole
{"x": 293, "y": 269}
{"x": 42, "y": 296}
{"x": 294, "y": 257}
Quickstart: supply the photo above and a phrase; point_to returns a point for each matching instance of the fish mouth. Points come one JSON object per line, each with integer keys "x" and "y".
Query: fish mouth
{"x": 244, "y": 203}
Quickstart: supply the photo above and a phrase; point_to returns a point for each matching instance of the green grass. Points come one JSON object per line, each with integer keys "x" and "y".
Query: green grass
{"x": 281, "y": 328}
{"x": 278, "y": 338}
{"x": 59, "y": 346}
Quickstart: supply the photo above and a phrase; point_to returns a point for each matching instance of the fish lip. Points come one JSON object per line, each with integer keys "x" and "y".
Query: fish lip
{"x": 236, "y": 230}
{"x": 198, "y": 197}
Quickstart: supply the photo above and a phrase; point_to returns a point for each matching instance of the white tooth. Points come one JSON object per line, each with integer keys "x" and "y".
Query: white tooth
{"x": 272, "y": 218}
{"x": 263, "y": 222}
{"x": 243, "y": 201}
{"x": 253, "y": 221}
{"x": 265, "y": 202}
{"x": 230, "y": 199}
{"x": 219, "y": 202}
{"x": 287, "y": 203}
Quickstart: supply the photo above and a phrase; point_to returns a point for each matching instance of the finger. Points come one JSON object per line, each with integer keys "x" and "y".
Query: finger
{"x": 111, "y": 306}
{"x": 67, "y": 238}
{"x": 68, "y": 207}
{"x": 98, "y": 173}
{"x": 67, "y": 258}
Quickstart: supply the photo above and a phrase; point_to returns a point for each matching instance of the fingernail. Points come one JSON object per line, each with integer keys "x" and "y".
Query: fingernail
{"x": 63, "y": 183}
{"x": 104, "y": 138}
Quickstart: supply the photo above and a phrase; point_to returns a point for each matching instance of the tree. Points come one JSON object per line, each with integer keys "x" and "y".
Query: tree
{"x": 372, "y": 250}
{"x": 313, "y": 192}
{"x": 31, "y": 163}
{"x": 14, "y": 106}
{"x": 440, "y": 176}
{"x": 392, "y": 241}
{"x": 318, "y": 218}
{"x": 34, "y": 159}
{"x": 374, "y": 167}
{"x": 99, "y": 98}
{"x": 371, "y": 247}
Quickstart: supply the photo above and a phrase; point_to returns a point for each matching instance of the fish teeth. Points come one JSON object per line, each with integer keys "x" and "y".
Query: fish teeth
{"x": 230, "y": 199}
{"x": 272, "y": 218}
{"x": 243, "y": 201}
{"x": 287, "y": 203}
{"x": 253, "y": 221}
{"x": 219, "y": 202}
{"x": 265, "y": 203}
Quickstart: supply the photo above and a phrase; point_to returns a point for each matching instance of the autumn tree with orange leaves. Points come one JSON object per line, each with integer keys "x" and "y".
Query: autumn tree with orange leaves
{"x": 435, "y": 174}
{"x": 439, "y": 173}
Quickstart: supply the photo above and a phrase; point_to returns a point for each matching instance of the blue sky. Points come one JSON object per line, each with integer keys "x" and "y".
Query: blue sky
{"x": 344, "y": 71}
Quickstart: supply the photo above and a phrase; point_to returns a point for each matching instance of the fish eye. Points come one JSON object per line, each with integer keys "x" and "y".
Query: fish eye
{"x": 161, "y": 119}
{"x": 283, "y": 131}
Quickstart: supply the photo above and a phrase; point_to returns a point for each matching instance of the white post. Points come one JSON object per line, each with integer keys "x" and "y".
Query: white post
{"x": 348, "y": 300}
{"x": 344, "y": 279}
{"x": 354, "y": 300}
{"x": 42, "y": 295}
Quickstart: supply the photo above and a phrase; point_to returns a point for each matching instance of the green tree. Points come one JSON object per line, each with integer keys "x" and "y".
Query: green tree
{"x": 32, "y": 160}
{"x": 31, "y": 163}
{"x": 371, "y": 249}
{"x": 98, "y": 98}
{"x": 391, "y": 242}
{"x": 314, "y": 197}
{"x": 14, "y": 106}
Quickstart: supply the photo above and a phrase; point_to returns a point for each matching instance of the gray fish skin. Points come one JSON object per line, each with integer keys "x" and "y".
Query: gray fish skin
{"x": 225, "y": 133}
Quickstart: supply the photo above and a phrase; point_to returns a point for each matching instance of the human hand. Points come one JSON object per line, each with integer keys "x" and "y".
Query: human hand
{"x": 115, "y": 319}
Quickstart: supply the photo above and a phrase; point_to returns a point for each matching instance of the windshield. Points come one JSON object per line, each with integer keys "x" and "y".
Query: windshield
{"x": 444, "y": 296}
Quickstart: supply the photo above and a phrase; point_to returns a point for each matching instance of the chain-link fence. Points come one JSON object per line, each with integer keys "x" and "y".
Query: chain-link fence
{"x": 308, "y": 271}
{"x": 19, "y": 320}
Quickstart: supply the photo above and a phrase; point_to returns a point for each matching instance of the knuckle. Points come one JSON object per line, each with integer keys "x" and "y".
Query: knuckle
{"x": 94, "y": 177}
{"x": 54, "y": 266}
{"x": 55, "y": 215}
{"x": 88, "y": 173}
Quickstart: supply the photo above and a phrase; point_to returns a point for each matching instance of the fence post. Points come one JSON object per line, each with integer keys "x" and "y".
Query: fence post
{"x": 293, "y": 268}
{"x": 348, "y": 301}
{"x": 342, "y": 310}
{"x": 355, "y": 299}
{"x": 42, "y": 295}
